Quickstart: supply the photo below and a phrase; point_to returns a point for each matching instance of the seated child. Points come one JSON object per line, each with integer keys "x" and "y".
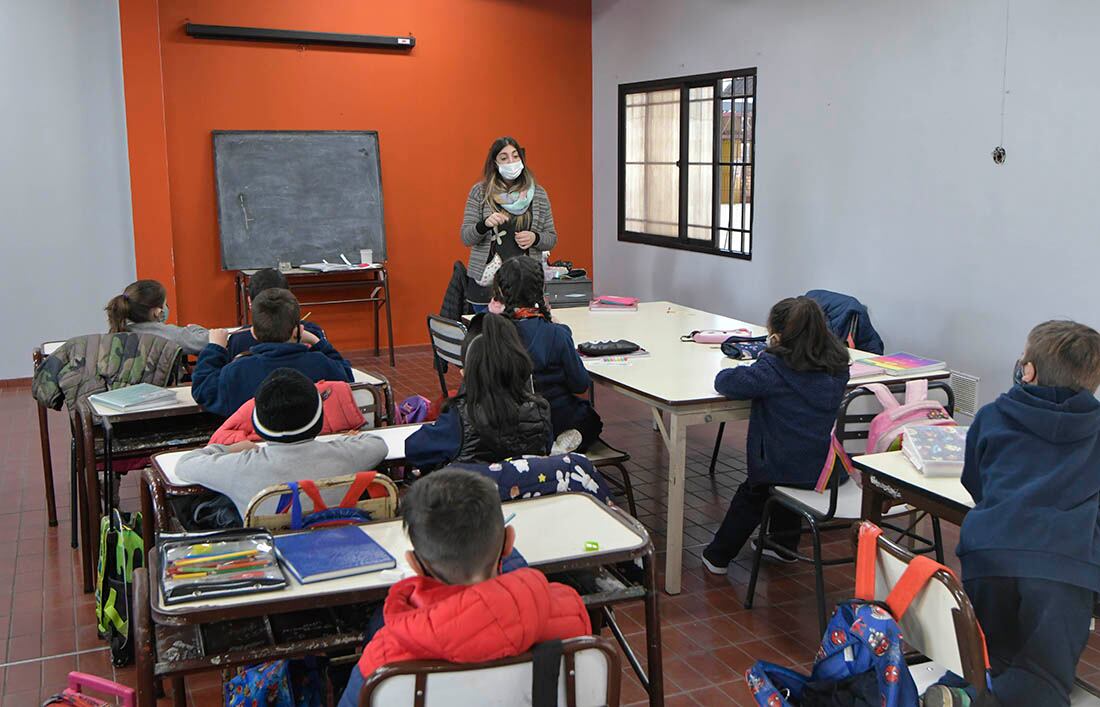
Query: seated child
{"x": 141, "y": 308}
{"x": 560, "y": 377}
{"x": 244, "y": 339}
{"x": 1030, "y": 548}
{"x": 288, "y": 415}
{"x": 458, "y": 607}
{"x": 221, "y": 384}
{"x": 496, "y": 414}
{"x": 796, "y": 387}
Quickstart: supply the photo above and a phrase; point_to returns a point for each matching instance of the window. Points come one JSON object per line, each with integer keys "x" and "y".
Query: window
{"x": 686, "y": 162}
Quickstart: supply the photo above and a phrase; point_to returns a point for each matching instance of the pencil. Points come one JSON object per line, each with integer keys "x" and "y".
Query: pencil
{"x": 210, "y": 558}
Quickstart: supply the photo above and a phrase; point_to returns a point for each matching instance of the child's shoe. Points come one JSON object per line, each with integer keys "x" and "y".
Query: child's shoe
{"x": 566, "y": 442}
{"x": 714, "y": 566}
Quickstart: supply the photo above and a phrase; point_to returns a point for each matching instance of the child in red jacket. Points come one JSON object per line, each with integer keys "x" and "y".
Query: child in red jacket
{"x": 459, "y": 608}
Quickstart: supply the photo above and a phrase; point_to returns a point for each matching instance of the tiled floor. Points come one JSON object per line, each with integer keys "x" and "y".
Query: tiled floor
{"x": 709, "y": 638}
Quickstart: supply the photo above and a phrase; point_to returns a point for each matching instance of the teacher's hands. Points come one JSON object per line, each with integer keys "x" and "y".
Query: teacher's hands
{"x": 525, "y": 239}
{"x": 495, "y": 219}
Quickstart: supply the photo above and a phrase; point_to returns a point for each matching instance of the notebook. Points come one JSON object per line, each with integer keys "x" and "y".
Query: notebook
{"x": 859, "y": 369}
{"x": 901, "y": 364}
{"x": 142, "y": 396}
{"x": 331, "y": 553}
{"x": 935, "y": 450}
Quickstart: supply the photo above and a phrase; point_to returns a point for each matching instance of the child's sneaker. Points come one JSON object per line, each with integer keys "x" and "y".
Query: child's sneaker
{"x": 566, "y": 442}
{"x": 777, "y": 555}
{"x": 714, "y": 567}
{"x": 944, "y": 696}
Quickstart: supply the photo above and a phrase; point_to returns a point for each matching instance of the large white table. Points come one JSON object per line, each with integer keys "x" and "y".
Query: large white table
{"x": 677, "y": 379}
{"x": 891, "y": 476}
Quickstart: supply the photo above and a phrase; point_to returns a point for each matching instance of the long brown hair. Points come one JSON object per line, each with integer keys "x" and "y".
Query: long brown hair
{"x": 491, "y": 181}
{"x": 805, "y": 341}
{"x": 135, "y": 304}
{"x": 496, "y": 376}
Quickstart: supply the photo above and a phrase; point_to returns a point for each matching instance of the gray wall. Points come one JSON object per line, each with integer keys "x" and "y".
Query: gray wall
{"x": 66, "y": 233}
{"x": 874, "y": 127}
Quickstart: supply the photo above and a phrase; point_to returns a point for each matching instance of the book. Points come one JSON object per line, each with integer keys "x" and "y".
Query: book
{"x": 611, "y": 303}
{"x": 935, "y": 450}
{"x": 331, "y": 553}
{"x": 901, "y": 364}
{"x": 132, "y": 398}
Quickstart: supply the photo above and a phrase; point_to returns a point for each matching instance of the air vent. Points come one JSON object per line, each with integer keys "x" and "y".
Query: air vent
{"x": 965, "y": 386}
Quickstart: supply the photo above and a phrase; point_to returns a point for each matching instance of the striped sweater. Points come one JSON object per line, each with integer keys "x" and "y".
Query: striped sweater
{"x": 542, "y": 223}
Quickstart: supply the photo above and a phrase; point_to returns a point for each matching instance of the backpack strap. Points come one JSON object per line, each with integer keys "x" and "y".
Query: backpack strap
{"x": 885, "y": 398}
{"x": 836, "y": 454}
{"x": 364, "y": 482}
{"x": 916, "y": 390}
{"x": 910, "y": 584}
{"x": 546, "y": 666}
{"x": 866, "y": 551}
{"x": 310, "y": 488}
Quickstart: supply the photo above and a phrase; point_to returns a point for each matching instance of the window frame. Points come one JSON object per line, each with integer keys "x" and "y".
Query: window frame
{"x": 684, "y": 84}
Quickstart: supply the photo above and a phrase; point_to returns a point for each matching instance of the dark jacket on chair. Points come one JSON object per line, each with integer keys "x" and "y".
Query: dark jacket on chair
{"x": 792, "y": 418}
{"x": 453, "y": 438}
{"x": 839, "y": 310}
{"x": 1032, "y": 465}
{"x": 454, "y": 303}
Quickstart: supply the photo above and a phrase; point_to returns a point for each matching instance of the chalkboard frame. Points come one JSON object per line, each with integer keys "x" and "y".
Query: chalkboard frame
{"x": 218, "y": 196}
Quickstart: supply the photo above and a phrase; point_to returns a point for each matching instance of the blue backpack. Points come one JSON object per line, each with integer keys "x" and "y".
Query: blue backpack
{"x": 860, "y": 660}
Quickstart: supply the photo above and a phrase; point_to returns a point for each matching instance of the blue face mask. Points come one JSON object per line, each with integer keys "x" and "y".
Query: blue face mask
{"x": 163, "y": 314}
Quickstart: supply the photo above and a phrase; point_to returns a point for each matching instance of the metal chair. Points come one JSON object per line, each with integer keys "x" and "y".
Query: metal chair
{"x": 603, "y": 455}
{"x": 589, "y": 676}
{"x": 447, "y": 336}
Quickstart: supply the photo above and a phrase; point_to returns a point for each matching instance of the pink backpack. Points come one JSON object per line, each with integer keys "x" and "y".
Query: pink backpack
{"x": 887, "y": 427}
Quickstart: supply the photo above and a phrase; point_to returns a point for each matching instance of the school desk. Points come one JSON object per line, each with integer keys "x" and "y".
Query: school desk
{"x": 171, "y": 425}
{"x": 38, "y": 355}
{"x": 890, "y": 476}
{"x": 375, "y": 278}
{"x": 675, "y": 378}
{"x": 551, "y": 534}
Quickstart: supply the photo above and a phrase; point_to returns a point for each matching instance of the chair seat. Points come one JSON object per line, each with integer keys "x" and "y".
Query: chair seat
{"x": 601, "y": 453}
{"x": 849, "y": 501}
{"x": 1080, "y": 697}
{"x": 925, "y": 675}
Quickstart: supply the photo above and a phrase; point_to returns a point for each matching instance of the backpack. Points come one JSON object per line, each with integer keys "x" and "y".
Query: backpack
{"x": 121, "y": 551}
{"x": 413, "y": 409}
{"x": 860, "y": 661}
{"x": 887, "y": 427}
{"x": 349, "y": 511}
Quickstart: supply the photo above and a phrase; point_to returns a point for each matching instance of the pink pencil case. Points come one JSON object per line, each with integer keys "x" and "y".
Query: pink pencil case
{"x": 714, "y": 336}
{"x": 614, "y": 299}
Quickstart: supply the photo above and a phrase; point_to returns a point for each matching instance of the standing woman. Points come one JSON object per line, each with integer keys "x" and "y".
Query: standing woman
{"x": 507, "y": 214}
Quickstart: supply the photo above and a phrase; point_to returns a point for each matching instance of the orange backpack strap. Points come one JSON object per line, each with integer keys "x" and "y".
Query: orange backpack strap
{"x": 836, "y": 454}
{"x": 364, "y": 481}
{"x": 310, "y": 489}
{"x": 912, "y": 581}
{"x": 865, "y": 561}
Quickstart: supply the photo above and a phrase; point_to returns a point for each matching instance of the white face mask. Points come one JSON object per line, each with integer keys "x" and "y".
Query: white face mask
{"x": 510, "y": 170}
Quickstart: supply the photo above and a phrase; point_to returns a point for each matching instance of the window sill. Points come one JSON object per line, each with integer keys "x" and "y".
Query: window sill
{"x": 676, "y": 243}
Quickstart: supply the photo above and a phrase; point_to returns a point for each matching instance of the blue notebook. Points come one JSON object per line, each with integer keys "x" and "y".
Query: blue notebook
{"x": 330, "y": 553}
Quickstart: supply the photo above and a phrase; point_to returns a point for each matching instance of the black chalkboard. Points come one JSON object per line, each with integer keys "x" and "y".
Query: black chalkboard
{"x": 298, "y": 196}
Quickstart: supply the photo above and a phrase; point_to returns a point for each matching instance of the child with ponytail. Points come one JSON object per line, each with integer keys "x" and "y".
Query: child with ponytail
{"x": 142, "y": 308}
{"x": 559, "y": 374}
{"x": 496, "y": 415}
{"x": 796, "y": 387}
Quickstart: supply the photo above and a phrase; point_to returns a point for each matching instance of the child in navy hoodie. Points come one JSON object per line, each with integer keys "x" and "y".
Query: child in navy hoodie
{"x": 796, "y": 387}
{"x": 266, "y": 279}
{"x": 560, "y": 377}
{"x": 222, "y": 384}
{"x": 1030, "y": 548}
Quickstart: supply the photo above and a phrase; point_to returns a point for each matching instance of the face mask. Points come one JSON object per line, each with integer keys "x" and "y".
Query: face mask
{"x": 496, "y": 307}
{"x": 163, "y": 314}
{"x": 510, "y": 170}
{"x": 1018, "y": 373}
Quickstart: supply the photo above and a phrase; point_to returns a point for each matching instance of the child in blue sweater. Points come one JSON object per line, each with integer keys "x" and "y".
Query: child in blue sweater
{"x": 221, "y": 384}
{"x": 1030, "y": 548}
{"x": 266, "y": 279}
{"x": 560, "y": 377}
{"x": 796, "y": 387}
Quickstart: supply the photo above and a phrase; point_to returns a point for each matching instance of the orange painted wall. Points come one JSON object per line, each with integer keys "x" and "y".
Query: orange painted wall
{"x": 481, "y": 68}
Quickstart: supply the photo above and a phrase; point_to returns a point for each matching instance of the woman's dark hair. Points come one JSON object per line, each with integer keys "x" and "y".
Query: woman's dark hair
{"x": 135, "y": 304}
{"x": 491, "y": 181}
{"x": 519, "y": 283}
{"x": 496, "y": 375}
{"x": 805, "y": 341}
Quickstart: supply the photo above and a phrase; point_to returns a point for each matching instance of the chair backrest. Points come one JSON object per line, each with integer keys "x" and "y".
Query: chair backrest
{"x": 262, "y": 509}
{"x": 447, "y": 336}
{"x": 373, "y": 400}
{"x": 589, "y": 677}
{"x": 940, "y": 623}
{"x": 860, "y": 406}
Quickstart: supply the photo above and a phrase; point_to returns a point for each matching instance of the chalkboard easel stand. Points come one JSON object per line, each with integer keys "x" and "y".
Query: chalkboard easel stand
{"x": 375, "y": 281}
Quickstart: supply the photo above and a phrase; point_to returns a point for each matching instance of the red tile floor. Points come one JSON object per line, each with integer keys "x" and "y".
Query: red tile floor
{"x": 709, "y": 638}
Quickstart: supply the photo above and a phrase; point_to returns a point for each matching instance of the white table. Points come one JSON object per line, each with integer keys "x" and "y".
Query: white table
{"x": 676, "y": 378}
{"x": 891, "y": 476}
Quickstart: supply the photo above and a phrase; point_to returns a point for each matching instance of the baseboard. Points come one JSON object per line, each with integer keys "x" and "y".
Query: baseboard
{"x": 16, "y": 382}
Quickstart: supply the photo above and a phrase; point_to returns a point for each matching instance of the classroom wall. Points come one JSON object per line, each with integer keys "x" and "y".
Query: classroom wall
{"x": 64, "y": 191}
{"x": 875, "y": 122}
{"x": 480, "y": 68}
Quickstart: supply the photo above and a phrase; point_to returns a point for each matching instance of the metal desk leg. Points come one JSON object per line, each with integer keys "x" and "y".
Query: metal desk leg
{"x": 872, "y": 501}
{"x": 389, "y": 317}
{"x": 47, "y": 464}
{"x": 654, "y": 655}
{"x": 108, "y": 476}
{"x": 89, "y": 506}
{"x": 144, "y": 651}
{"x": 148, "y": 532}
{"x": 674, "y": 538}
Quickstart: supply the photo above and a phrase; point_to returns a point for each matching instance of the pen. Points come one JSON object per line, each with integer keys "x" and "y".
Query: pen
{"x": 509, "y": 518}
{"x": 307, "y": 315}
